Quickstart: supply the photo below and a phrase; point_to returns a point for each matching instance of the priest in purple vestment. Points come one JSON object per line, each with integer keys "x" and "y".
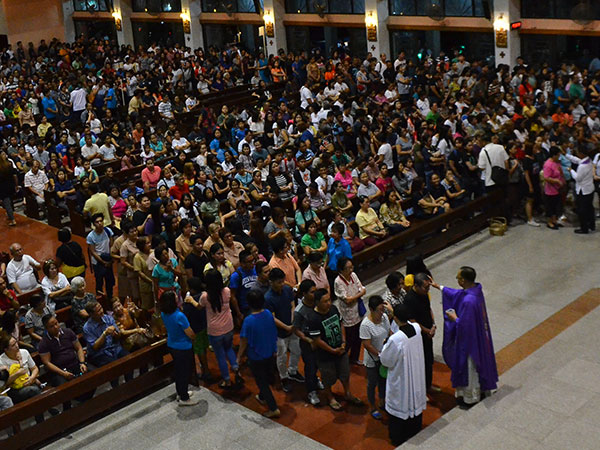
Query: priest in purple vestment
{"x": 468, "y": 348}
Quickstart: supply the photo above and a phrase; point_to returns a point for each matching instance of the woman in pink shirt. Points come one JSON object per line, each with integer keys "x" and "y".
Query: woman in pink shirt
{"x": 554, "y": 180}
{"x": 219, "y": 325}
{"x": 150, "y": 175}
{"x": 344, "y": 176}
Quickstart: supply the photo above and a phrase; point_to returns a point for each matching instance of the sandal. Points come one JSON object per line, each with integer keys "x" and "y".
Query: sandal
{"x": 333, "y": 404}
{"x": 354, "y": 401}
{"x": 225, "y": 384}
{"x": 239, "y": 380}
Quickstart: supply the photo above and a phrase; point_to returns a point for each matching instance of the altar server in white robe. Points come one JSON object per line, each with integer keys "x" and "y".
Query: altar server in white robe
{"x": 406, "y": 396}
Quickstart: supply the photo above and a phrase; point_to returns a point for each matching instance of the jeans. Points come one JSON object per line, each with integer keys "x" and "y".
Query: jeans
{"x": 222, "y": 345}
{"x": 103, "y": 359}
{"x": 20, "y": 395}
{"x": 310, "y": 366}
{"x": 7, "y": 203}
{"x": 58, "y": 380}
{"x": 262, "y": 371}
{"x": 290, "y": 343}
{"x": 5, "y": 402}
{"x": 375, "y": 380}
{"x": 183, "y": 368}
{"x": 104, "y": 275}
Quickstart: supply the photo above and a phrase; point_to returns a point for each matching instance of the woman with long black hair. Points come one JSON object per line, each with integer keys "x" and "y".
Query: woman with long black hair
{"x": 219, "y": 325}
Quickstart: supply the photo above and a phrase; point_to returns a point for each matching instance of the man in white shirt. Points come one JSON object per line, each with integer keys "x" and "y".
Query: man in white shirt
{"x": 180, "y": 144}
{"x": 400, "y": 61}
{"x": 405, "y": 397}
{"x": 78, "y": 100}
{"x": 90, "y": 151}
{"x": 306, "y": 96}
{"x": 108, "y": 150}
{"x": 20, "y": 270}
{"x": 37, "y": 182}
{"x": 492, "y": 155}
{"x": 593, "y": 122}
{"x": 584, "y": 190}
{"x": 385, "y": 152}
{"x": 423, "y": 106}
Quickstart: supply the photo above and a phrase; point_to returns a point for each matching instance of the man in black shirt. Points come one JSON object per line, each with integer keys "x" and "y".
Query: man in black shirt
{"x": 332, "y": 359}
{"x": 417, "y": 302}
{"x": 196, "y": 261}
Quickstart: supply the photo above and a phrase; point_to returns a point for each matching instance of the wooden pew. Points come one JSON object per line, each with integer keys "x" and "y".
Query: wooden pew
{"x": 37, "y": 434}
{"x": 55, "y": 213}
{"x": 426, "y": 237}
{"x": 32, "y": 209}
{"x": 24, "y": 298}
{"x": 78, "y": 223}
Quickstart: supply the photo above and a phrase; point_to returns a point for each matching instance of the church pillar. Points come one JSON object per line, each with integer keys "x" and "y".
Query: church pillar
{"x": 378, "y": 36}
{"x": 507, "y": 43}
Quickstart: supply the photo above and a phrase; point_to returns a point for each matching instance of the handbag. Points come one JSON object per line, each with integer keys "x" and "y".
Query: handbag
{"x": 499, "y": 174}
{"x": 362, "y": 310}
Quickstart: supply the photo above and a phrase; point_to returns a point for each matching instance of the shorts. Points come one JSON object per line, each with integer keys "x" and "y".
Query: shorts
{"x": 200, "y": 344}
{"x": 334, "y": 369}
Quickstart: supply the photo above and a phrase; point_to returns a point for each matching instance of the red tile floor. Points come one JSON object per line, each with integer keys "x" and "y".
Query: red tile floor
{"x": 350, "y": 429}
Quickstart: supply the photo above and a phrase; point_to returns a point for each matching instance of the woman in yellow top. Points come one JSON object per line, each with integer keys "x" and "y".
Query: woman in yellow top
{"x": 370, "y": 228}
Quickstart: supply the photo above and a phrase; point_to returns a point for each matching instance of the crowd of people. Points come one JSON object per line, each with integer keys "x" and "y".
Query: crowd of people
{"x": 248, "y": 219}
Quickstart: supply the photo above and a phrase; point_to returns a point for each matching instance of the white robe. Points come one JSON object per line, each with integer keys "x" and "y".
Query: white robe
{"x": 405, "y": 395}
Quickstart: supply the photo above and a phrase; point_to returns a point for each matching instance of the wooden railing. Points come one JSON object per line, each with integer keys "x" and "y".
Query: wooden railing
{"x": 425, "y": 237}
{"x": 37, "y": 434}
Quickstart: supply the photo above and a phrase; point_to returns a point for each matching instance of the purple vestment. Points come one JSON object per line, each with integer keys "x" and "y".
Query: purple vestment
{"x": 470, "y": 336}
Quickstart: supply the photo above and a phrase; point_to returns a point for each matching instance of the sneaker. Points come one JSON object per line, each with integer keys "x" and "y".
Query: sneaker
{"x": 320, "y": 384}
{"x": 189, "y": 402}
{"x": 260, "y": 400}
{"x": 562, "y": 218}
{"x": 286, "y": 385}
{"x": 296, "y": 376}
{"x": 190, "y": 394}
{"x": 272, "y": 414}
{"x": 533, "y": 223}
{"x": 313, "y": 398}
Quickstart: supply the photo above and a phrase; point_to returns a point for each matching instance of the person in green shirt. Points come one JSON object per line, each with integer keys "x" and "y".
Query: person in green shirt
{"x": 313, "y": 241}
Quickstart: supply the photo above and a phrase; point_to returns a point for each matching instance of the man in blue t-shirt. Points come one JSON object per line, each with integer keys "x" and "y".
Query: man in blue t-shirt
{"x": 279, "y": 299}
{"x": 242, "y": 280}
{"x": 259, "y": 338}
{"x": 49, "y": 107}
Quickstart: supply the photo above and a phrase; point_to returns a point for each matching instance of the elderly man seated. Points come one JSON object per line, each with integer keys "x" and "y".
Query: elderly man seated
{"x": 21, "y": 270}
{"x": 102, "y": 336}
